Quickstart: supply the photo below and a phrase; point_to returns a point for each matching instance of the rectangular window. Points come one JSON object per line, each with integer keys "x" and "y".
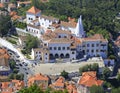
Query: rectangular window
{"x": 97, "y": 45}
{"x": 59, "y": 48}
{"x": 97, "y": 50}
{"x": 92, "y": 45}
{"x": 88, "y": 45}
{"x": 63, "y": 48}
{"x": 50, "y": 48}
{"x": 68, "y": 48}
{"x": 92, "y": 51}
{"x": 54, "y": 48}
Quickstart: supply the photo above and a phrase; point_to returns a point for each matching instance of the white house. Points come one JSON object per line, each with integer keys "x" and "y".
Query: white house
{"x": 63, "y": 44}
{"x": 95, "y": 46}
{"x": 32, "y": 14}
{"x": 47, "y": 21}
{"x": 40, "y": 54}
{"x": 35, "y": 30}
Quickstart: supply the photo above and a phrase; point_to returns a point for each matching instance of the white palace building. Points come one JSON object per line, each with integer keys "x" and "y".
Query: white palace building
{"x": 62, "y": 40}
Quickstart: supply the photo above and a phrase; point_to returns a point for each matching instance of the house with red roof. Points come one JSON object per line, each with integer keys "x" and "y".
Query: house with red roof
{"x": 71, "y": 88}
{"x": 32, "y": 14}
{"x": 59, "y": 84}
{"x": 87, "y": 80}
{"x": 41, "y": 80}
{"x": 4, "y": 65}
{"x": 12, "y": 86}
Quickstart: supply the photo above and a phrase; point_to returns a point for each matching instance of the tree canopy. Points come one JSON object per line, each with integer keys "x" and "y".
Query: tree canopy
{"x": 5, "y": 24}
{"x": 36, "y": 89}
{"x": 31, "y": 42}
{"x": 96, "y": 89}
{"x": 64, "y": 74}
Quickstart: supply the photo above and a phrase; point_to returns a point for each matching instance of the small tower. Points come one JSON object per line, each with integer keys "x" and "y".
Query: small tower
{"x": 32, "y": 14}
{"x": 79, "y": 29}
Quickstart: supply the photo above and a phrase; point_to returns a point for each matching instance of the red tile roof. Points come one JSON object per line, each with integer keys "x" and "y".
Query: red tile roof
{"x": 10, "y": 87}
{"x": 71, "y": 88}
{"x": 95, "y": 37}
{"x": 1, "y": 5}
{"x": 33, "y": 10}
{"x": 89, "y": 79}
{"x": 60, "y": 82}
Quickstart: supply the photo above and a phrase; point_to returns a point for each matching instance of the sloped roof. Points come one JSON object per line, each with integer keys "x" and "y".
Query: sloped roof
{"x": 71, "y": 88}
{"x": 59, "y": 82}
{"x": 38, "y": 77}
{"x": 89, "y": 79}
{"x": 96, "y": 37}
{"x": 1, "y": 5}
{"x": 33, "y": 10}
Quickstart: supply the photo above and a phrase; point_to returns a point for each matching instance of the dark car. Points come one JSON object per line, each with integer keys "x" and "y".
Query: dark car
{"x": 20, "y": 64}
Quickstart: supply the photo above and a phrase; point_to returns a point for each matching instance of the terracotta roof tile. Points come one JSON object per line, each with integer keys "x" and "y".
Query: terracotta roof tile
{"x": 71, "y": 88}
{"x": 89, "y": 79}
{"x": 49, "y": 18}
{"x": 60, "y": 82}
{"x": 59, "y": 31}
{"x": 33, "y": 10}
{"x": 38, "y": 77}
{"x": 12, "y": 13}
{"x": 68, "y": 24}
{"x": 60, "y": 40}
{"x": 96, "y": 37}
{"x": 1, "y": 5}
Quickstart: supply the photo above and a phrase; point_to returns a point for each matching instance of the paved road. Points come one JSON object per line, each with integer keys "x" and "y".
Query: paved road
{"x": 10, "y": 46}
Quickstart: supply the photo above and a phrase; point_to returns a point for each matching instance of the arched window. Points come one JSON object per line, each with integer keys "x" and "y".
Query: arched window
{"x": 56, "y": 56}
{"x": 51, "y": 56}
{"x": 67, "y": 55}
{"x": 62, "y": 55}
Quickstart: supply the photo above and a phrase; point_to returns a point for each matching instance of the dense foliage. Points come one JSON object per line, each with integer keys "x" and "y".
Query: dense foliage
{"x": 31, "y": 42}
{"x": 89, "y": 67}
{"x": 106, "y": 73}
{"x": 5, "y": 25}
{"x": 36, "y": 89}
{"x": 98, "y": 15}
{"x": 64, "y": 74}
{"x": 96, "y": 89}
{"x": 20, "y": 24}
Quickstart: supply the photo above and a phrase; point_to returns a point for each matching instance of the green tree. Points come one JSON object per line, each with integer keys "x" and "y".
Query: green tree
{"x": 11, "y": 76}
{"x": 64, "y": 74}
{"x": 5, "y": 24}
{"x": 12, "y": 64}
{"x": 118, "y": 77}
{"x": 96, "y": 89}
{"x": 36, "y": 3}
{"x": 31, "y": 89}
{"x": 31, "y": 42}
{"x": 115, "y": 90}
{"x": 106, "y": 73}
{"x": 15, "y": 71}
